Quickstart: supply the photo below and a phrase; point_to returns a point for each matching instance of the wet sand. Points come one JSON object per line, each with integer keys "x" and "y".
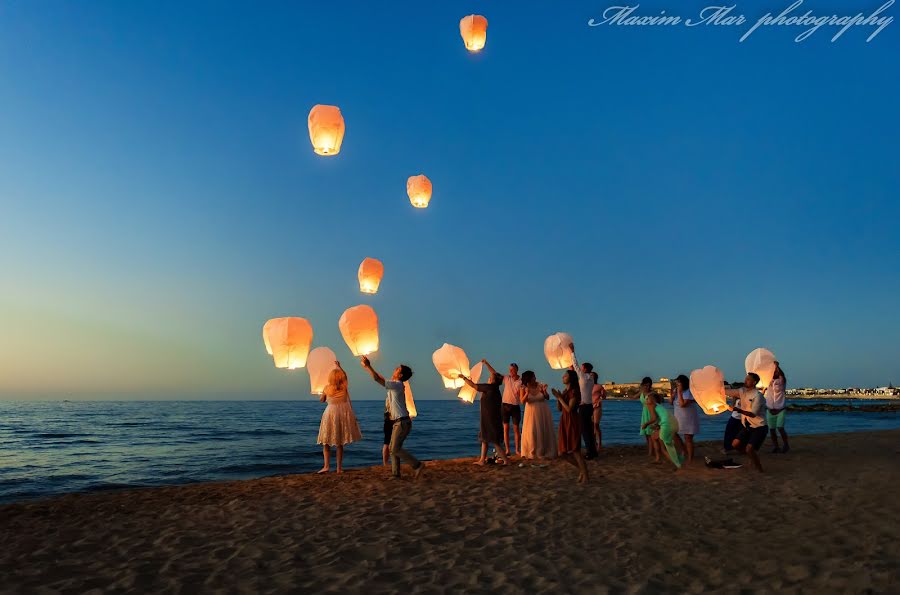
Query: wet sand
{"x": 823, "y": 518}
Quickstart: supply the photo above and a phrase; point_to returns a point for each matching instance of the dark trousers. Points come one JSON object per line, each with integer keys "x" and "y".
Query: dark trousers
{"x": 586, "y": 413}
{"x": 732, "y": 428}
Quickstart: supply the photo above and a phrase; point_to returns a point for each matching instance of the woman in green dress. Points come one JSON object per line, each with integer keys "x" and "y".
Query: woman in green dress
{"x": 665, "y": 429}
{"x": 647, "y": 430}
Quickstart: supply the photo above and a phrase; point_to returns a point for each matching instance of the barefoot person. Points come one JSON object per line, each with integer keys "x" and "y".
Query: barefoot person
{"x": 597, "y": 396}
{"x": 569, "y": 442}
{"x": 395, "y": 406}
{"x": 538, "y": 437}
{"x": 664, "y": 427}
{"x": 752, "y": 407}
{"x": 686, "y": 413}
{"x": 339, "y": 425}
{"x": 511, "y": 411}
{"x": 776, "y": 407}
{"x": 586, "y": 408}
{"x": 491, "y": 424}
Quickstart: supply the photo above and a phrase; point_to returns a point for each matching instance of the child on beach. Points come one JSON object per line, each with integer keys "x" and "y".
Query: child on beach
{"x": 395, "y": 407}
{"x": 338, "y": 426}
{"x": 752, "y": 407}
{"x": 776, "y": 408}
{"x": 568, "y": 400}
{"x": 647, "y": 432}
{"x": 665, "y": 428}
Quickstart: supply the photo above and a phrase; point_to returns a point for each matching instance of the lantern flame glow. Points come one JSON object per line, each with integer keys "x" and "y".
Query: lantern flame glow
{"x": 289, "y": 339}
{"x": 370, "y": 273}
{"x": 418, "y": 188}
{"x": 473, "y": 30}
{"x": 326, "y": 129}
{"x": 359, "y": 327}
{"x": 557, "y": 352}
{"x": 467, "y": 393}
{"x": 761, "y": 362}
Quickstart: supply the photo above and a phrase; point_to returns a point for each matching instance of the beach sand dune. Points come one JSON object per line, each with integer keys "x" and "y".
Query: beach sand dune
{"x": 824, "y": 518}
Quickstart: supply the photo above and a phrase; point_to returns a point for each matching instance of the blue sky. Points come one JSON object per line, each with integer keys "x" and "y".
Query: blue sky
{"x": 671, "y": 197}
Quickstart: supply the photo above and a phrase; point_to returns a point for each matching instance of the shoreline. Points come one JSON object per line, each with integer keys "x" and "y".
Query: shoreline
{"x": 635, "y": 526}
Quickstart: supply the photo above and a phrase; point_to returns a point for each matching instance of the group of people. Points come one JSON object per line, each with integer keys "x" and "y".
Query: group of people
{"x": 668, "y": 432}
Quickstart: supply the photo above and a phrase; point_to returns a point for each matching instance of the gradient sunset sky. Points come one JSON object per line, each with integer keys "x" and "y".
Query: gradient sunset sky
{"x": 669, "y": 196}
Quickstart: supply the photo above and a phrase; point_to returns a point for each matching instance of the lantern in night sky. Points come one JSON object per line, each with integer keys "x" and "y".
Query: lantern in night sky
{"x": 418, "y": 188}
{"x": 370, "y": 273}
{"x": 473, "y": 30}
{"x": 451, "y": 362}
{"x": 359, "y": 327}
{"x": 557, "y": 351}
{"x": 326, "y": 129}
{"x": 320, "y": 363}
{"x": 289, "y": 339}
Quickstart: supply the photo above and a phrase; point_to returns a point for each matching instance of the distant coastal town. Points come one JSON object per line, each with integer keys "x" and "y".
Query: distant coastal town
{"x": 629, "y": 390}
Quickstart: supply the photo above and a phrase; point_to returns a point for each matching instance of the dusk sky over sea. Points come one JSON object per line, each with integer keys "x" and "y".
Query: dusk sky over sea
{"x": 671, "y": 197}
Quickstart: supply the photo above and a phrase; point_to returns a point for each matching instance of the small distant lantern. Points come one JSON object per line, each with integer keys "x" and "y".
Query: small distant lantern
{"x": 320, "y": 363}
{"x": 326, "y": 129}
{"x": 289, "y": 339}
{"x": 359, "y": 327}
{"x": 557, "y": 351}
{"x": 451, "y": 362}
{"x": 708, "y": 389}
{"x": 473, "y": 30}
{"x": 761, "y": 362}
{"x": 370, "y": 273}
{"x": 467, "y": 393}
{"x": 418, "y": 188}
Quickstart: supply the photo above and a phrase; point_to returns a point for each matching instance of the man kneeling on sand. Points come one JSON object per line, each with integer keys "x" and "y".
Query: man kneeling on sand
{"x": 752, "y": 407}
{"x": 395, "y": 408}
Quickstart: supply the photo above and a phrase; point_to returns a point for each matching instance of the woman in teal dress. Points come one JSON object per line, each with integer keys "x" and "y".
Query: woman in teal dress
{"x": 646, "y": 430}
{"x": 665, "y": 428}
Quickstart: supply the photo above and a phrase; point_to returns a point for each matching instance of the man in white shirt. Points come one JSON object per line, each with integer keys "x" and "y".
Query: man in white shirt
{"x": 752, "y": 407}
{"x": 776, "y": 406}
{"x": 586, "y": 409}
{"x": 510, "y": 409}
{"x": 395, "y": 408}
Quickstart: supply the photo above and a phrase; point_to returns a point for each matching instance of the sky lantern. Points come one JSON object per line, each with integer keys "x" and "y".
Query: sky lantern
{"x": 359, "y": 327}
{"x": 370, "y": 273}
{"x": 467, "y": 393}
{"x": 451, "y": 361}
{"x": 320, "y": 363}
{"x": 410, "y": 402}
{"x": 266, "y": 335}
{"x": 473, "y": 30}
{"x": 289, "y": 338}
{"x": 761, "y": 362}
{"x": 326, "y": 129}
{"x": 557, "y": 351}
{"x": 708, "y": 388}
{"x": 418, "y": 188}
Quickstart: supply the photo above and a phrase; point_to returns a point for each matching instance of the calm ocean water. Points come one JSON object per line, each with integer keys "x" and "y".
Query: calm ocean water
{"x": 53, "y": 447}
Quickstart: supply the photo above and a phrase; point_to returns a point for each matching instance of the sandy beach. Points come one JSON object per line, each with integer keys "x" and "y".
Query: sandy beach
{"x": 822, "y": 519}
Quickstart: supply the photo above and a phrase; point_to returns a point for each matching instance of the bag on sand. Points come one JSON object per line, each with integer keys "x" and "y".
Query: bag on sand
{"x": 722, "y": 464}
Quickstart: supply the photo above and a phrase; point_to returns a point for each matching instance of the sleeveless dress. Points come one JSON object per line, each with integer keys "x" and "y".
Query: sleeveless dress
{"x": 339, "y": 425}
{"x": 668, "y": 427}
{"x": 645, "y": 417}
{"x": 491, "y": 429}
{"x": 538, "y": 441}
{"x": 688, "y": 417}
{"x": 569, "y": 427}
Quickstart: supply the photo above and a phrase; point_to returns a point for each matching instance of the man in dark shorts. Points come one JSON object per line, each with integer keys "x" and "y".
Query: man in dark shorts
{"x": 752, "y": 406}
{"x": 386, "y": 449}
{"x": 510, "y": 410}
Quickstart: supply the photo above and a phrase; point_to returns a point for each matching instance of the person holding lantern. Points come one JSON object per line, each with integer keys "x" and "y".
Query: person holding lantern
{"x": 775, "y": 404}
{"x": 491, "y": 424}
{"x": 395, "y": 406}
{"x": 752, "y": 407}
{"x": 511, "y": 410}
{"x": 338, "y": 426}
{"x": 567, "y": 401}
{"x": 586, "y": 408}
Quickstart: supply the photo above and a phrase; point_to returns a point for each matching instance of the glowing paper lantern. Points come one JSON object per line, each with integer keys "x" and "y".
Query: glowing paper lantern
{"x": 289, "y": 340}
{"x": 359, "y": 327}
{"x": 557, "y": 352}
{"x": 326, "y": 129}
{"x": 467, "y": 393}
{"x": 266, "y": 335}
{"x": 410, "y": 402}
{"x": 762, "y": 363}
{"x": 370, "y": 273}
{"x": 708, "y": 388}
{"x": 320, "y": 363}
{"x": 418, "y": 188}
{"x": 451, "y": 361}
{"x": 473, "y": 30}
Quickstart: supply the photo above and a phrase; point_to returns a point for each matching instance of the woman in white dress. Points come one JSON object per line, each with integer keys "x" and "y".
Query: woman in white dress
{"x": 685, "y": 409}
{"x": 339, "y": 425}
{"x": 538, "y": 435}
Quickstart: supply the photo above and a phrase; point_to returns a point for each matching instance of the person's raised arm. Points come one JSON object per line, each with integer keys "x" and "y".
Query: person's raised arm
{"x": 367, "y": 365}
{"x": 468, "y": 381}
{"x": 680, "y": 392}
{"x": 574, "y": 366}
{"x": 489, "y": 367}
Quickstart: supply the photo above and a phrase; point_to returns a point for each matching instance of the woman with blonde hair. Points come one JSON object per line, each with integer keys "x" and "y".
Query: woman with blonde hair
{"x": 339, "y": 425}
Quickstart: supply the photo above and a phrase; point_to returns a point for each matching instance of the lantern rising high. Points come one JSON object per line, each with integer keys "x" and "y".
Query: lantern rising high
{"x": 708, "y": 389}
{"x": 473, "y": 30}
{"x": 326, "y": 129}
{"x": 370, "y": 273}
{"x": 761, "y": 362}
{"x": 359, "y": 327}
{"x": 289, "y": 338}
{"x": 451, "y": 362}
{"x": 320, "y": 363}
{"x": 418, "y": 188}
{"x": 557, "y": 351}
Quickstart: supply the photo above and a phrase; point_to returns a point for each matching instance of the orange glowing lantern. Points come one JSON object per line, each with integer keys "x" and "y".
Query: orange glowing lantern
{"x": 320, "y": 363}
{"x": 761, "y": 362}
{"x": 266, "y": 335}
{"x": 370, "y": 273}
{"x": 467, "y": 393}
{"x": 451, "y": 361}
{"x": 289, "y": 338}
{"x": 708, "y": 388}
{"x": 418, "y": 188}
{"x": 359, "y": 327}
{"x": 473, "y": 30}
{"x": 410, "y": 402}
{"x": 557, "y": 351}
{"x": 326, "y": 129}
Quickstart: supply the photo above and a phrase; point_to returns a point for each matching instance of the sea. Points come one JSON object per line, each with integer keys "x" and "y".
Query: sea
{"x": 55, "y": 447}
